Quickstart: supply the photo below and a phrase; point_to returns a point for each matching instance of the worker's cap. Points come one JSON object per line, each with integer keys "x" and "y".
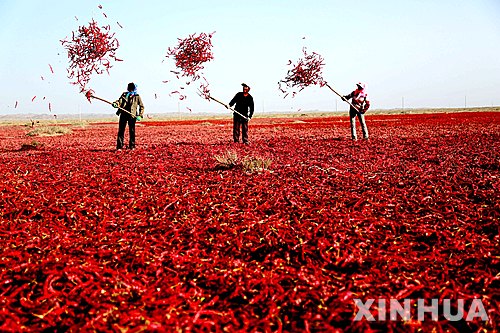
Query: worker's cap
{"x": 131, "y": 86}
{"x": 360, "y": 85}
{"x": 245, "y": 85}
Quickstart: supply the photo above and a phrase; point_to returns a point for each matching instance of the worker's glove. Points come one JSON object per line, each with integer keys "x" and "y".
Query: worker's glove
{"x": 118, "y": 112}
{"x": 115, "y": 105}
{"x": 138, "y": 118}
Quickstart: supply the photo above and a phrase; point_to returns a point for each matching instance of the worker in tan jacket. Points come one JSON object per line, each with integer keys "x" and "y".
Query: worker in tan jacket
{"x": 131, "y": 102}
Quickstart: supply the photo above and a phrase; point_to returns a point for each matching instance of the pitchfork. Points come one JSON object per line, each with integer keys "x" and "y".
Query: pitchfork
{"x": 110, "y": 103}
{"x": 204, "y": 95}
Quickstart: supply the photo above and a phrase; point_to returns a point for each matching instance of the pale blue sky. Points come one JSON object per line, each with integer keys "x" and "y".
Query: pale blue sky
{"x": 431, "y": 53}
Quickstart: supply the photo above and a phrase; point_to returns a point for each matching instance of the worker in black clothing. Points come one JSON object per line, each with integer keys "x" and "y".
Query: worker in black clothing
{"x": 244, "y": 105}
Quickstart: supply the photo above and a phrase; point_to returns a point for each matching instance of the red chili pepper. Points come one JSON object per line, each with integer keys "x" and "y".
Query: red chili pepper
{"x": 89, "y": 95}
{"x": 190, "y": 56}
{"x": 89, "y": 51}
{"x": 307, "y": 71}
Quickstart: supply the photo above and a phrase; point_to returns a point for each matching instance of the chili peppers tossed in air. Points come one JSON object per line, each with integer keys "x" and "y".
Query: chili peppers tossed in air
{"x": 91, "y": 49}
{"x": 306, "y": 72}
{"x": 190, "y": 56}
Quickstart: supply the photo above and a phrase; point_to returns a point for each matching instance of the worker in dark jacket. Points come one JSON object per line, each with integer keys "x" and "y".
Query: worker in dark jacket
{"x": 131, "y": 102}
{"x": 243, "y": 102}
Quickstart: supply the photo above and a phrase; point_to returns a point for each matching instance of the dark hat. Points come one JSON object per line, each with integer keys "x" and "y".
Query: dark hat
{"x": 131, "y": 86}
{"x": 245, "y": 85}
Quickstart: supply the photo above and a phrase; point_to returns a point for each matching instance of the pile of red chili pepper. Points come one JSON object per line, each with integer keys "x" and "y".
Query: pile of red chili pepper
{"x": 159, "y": 239}
{"x": 91, "y": 50}
{"x": 190, "y": 56}
{"x": 307, "y": 71}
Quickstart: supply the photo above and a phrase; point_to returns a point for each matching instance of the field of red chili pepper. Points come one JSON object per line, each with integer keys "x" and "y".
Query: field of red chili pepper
{"x": 161, "y": 239}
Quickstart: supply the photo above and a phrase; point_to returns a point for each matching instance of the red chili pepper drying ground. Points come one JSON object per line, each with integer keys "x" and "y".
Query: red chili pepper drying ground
{"x": 91, "y": 49}
{"x": 307, "y": 71}
{"x": 159, "y": 239}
